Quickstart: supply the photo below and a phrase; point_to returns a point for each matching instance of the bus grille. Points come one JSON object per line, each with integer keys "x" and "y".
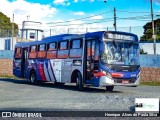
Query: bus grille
{"x": 124, "y": 68}
{"x": 131, "y": 80}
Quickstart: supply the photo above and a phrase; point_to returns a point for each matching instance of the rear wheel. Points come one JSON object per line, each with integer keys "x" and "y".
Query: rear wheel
{"x": 79, "y": 82}
{"x": 109, "y": 88}
{"x": 33, "y": 78}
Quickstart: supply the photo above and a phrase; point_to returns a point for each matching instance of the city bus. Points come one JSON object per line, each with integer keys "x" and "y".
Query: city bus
{"x": 98, "y": 59}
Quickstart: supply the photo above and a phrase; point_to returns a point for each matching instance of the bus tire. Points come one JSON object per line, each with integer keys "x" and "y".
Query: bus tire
{"x": 58, "y": 83}
{"x": 79, "y": 83}
{"x": 109, "y": 88}
{"x": 33, "y": 77}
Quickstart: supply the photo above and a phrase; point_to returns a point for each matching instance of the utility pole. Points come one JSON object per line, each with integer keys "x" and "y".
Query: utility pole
{"x": 12, "y": 30}
{"x": 153, "y": 32}
{"x": 115, "y": 24}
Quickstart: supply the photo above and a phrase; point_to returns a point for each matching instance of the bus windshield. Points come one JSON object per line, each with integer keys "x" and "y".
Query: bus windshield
{"x": 123, "y": 53}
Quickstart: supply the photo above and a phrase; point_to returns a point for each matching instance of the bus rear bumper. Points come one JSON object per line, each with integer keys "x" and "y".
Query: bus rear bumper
{"x": 105, "y": 81}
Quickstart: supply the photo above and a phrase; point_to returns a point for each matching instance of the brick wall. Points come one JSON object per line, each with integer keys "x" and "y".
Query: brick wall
{"x": 147, "y": 74}
{"x": 150, "y": 74}
{"x": 6, "y": 66}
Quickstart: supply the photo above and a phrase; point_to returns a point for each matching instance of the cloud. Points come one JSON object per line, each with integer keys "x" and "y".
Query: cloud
{"x": 21, "y": 9}
{"x": 99, "y": 17}
{"x": 75, "y": 1}
{"x": 61, "y": 2}
{"x": 79, "y": 13}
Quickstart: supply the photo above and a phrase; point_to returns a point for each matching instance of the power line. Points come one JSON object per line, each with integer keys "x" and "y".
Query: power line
{"x": 134, "y": 12}
{"x": 79, "y": 18}
{"x": 83, "y": 23}
{"x": 108, "y": 20}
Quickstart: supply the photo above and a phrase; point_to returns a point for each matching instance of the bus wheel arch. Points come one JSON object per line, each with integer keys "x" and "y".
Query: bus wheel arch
{"x": 77, "y": 78}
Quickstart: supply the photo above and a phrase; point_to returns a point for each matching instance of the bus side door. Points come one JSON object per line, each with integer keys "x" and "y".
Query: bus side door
{"x": 92, "y": 57}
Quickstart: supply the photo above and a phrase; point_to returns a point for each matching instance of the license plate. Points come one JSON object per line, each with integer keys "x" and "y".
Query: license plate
{"x": 125, "y": 81}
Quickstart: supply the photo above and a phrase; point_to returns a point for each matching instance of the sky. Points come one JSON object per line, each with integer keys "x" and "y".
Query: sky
{"x": 81, "y": 13}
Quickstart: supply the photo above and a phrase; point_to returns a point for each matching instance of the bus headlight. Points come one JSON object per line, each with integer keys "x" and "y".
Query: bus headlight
{"x": 107, "y": 74}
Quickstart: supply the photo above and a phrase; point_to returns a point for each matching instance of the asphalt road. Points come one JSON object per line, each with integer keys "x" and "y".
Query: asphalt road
{"x": 20, "y": 95}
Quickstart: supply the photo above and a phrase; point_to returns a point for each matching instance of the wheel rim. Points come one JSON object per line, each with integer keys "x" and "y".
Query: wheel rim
{"x": 32, "y": 78}
{"x": 77, "y": 80}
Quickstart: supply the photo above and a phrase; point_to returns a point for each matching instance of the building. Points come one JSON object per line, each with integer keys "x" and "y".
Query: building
{"x": 147, "y": 47}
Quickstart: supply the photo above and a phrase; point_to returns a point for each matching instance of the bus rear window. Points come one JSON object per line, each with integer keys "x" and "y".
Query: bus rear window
{"x": 18, "y": 52}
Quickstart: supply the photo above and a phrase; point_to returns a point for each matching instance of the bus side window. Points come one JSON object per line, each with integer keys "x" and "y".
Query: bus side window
{"x": 33, "y": 51}
{"x": 63, "y": 49}
{"x": 76, "y": 48}
{"x": 51, "y": 50}
{"x": 41, "y": 51}
{"x": 18, "y": 53}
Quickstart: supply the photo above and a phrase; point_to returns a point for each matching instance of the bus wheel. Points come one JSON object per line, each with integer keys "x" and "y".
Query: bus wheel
{"x": 79, "y": 83}
{"x": 109, "y": 88}
{"x": 32, "y": 77}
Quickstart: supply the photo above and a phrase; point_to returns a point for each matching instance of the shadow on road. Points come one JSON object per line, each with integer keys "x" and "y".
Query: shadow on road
{"x": 58, "y": 86}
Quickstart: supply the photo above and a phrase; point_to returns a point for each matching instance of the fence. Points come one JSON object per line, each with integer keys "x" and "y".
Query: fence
{"x": 145, "y": 60}
{"x": 138, "y": 30}
{"x": 6, "y": 54}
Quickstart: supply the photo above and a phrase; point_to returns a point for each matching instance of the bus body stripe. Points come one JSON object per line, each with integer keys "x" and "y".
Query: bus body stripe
{"x": 46, "y": 72}
{"x": 41, "y": 72}
{"x": 52, "y": 71}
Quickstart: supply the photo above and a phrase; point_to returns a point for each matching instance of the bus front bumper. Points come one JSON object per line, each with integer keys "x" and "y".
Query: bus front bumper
{"x": 105, "y": 81}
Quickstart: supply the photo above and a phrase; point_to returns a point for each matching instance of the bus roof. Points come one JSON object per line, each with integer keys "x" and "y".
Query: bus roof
{"x": 62, "y": 36}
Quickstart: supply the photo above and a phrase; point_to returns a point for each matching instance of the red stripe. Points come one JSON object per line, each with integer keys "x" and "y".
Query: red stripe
{"x": 41, "y": 70}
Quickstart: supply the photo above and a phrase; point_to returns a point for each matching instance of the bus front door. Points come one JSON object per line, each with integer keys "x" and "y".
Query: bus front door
{"x": 92, "y": 55}
{"x": 24, "y": 61}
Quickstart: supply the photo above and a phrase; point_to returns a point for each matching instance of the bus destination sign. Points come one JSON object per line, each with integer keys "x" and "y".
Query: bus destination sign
{"x": 118, "y": 36}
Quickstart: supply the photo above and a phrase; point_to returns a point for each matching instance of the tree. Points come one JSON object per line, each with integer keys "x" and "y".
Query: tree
{"x": 6, "y": 26}
{"x": 148, "y": 31}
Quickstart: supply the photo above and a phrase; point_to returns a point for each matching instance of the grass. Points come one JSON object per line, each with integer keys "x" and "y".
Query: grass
{"x": 10, "y": 77}
{"x": 150, "y": 83}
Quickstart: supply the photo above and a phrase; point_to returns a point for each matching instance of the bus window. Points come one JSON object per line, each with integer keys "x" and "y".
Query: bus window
{"x": 52, "y": 51}
{"x": 63, "y": 49}
{"x": 76, "y": 49}
{"x": 18, "y": 53}
{"x": 41, "y": 51}
{"x": 52, "y": 46}
{"x": 64, "y": 45}
{"x": 32, "y": 52}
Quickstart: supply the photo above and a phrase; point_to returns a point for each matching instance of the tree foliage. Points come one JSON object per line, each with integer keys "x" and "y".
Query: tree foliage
{"x": 6, "y": 26}
{"x": 148, "y": 31}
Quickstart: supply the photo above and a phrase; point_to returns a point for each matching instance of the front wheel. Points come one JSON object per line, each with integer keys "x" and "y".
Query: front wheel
{"x": 79, "y": 81}
{"x": 109, "y": 88}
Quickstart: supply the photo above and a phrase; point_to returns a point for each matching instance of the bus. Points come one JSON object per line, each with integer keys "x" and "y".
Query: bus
{"x": 98, "y": 59}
